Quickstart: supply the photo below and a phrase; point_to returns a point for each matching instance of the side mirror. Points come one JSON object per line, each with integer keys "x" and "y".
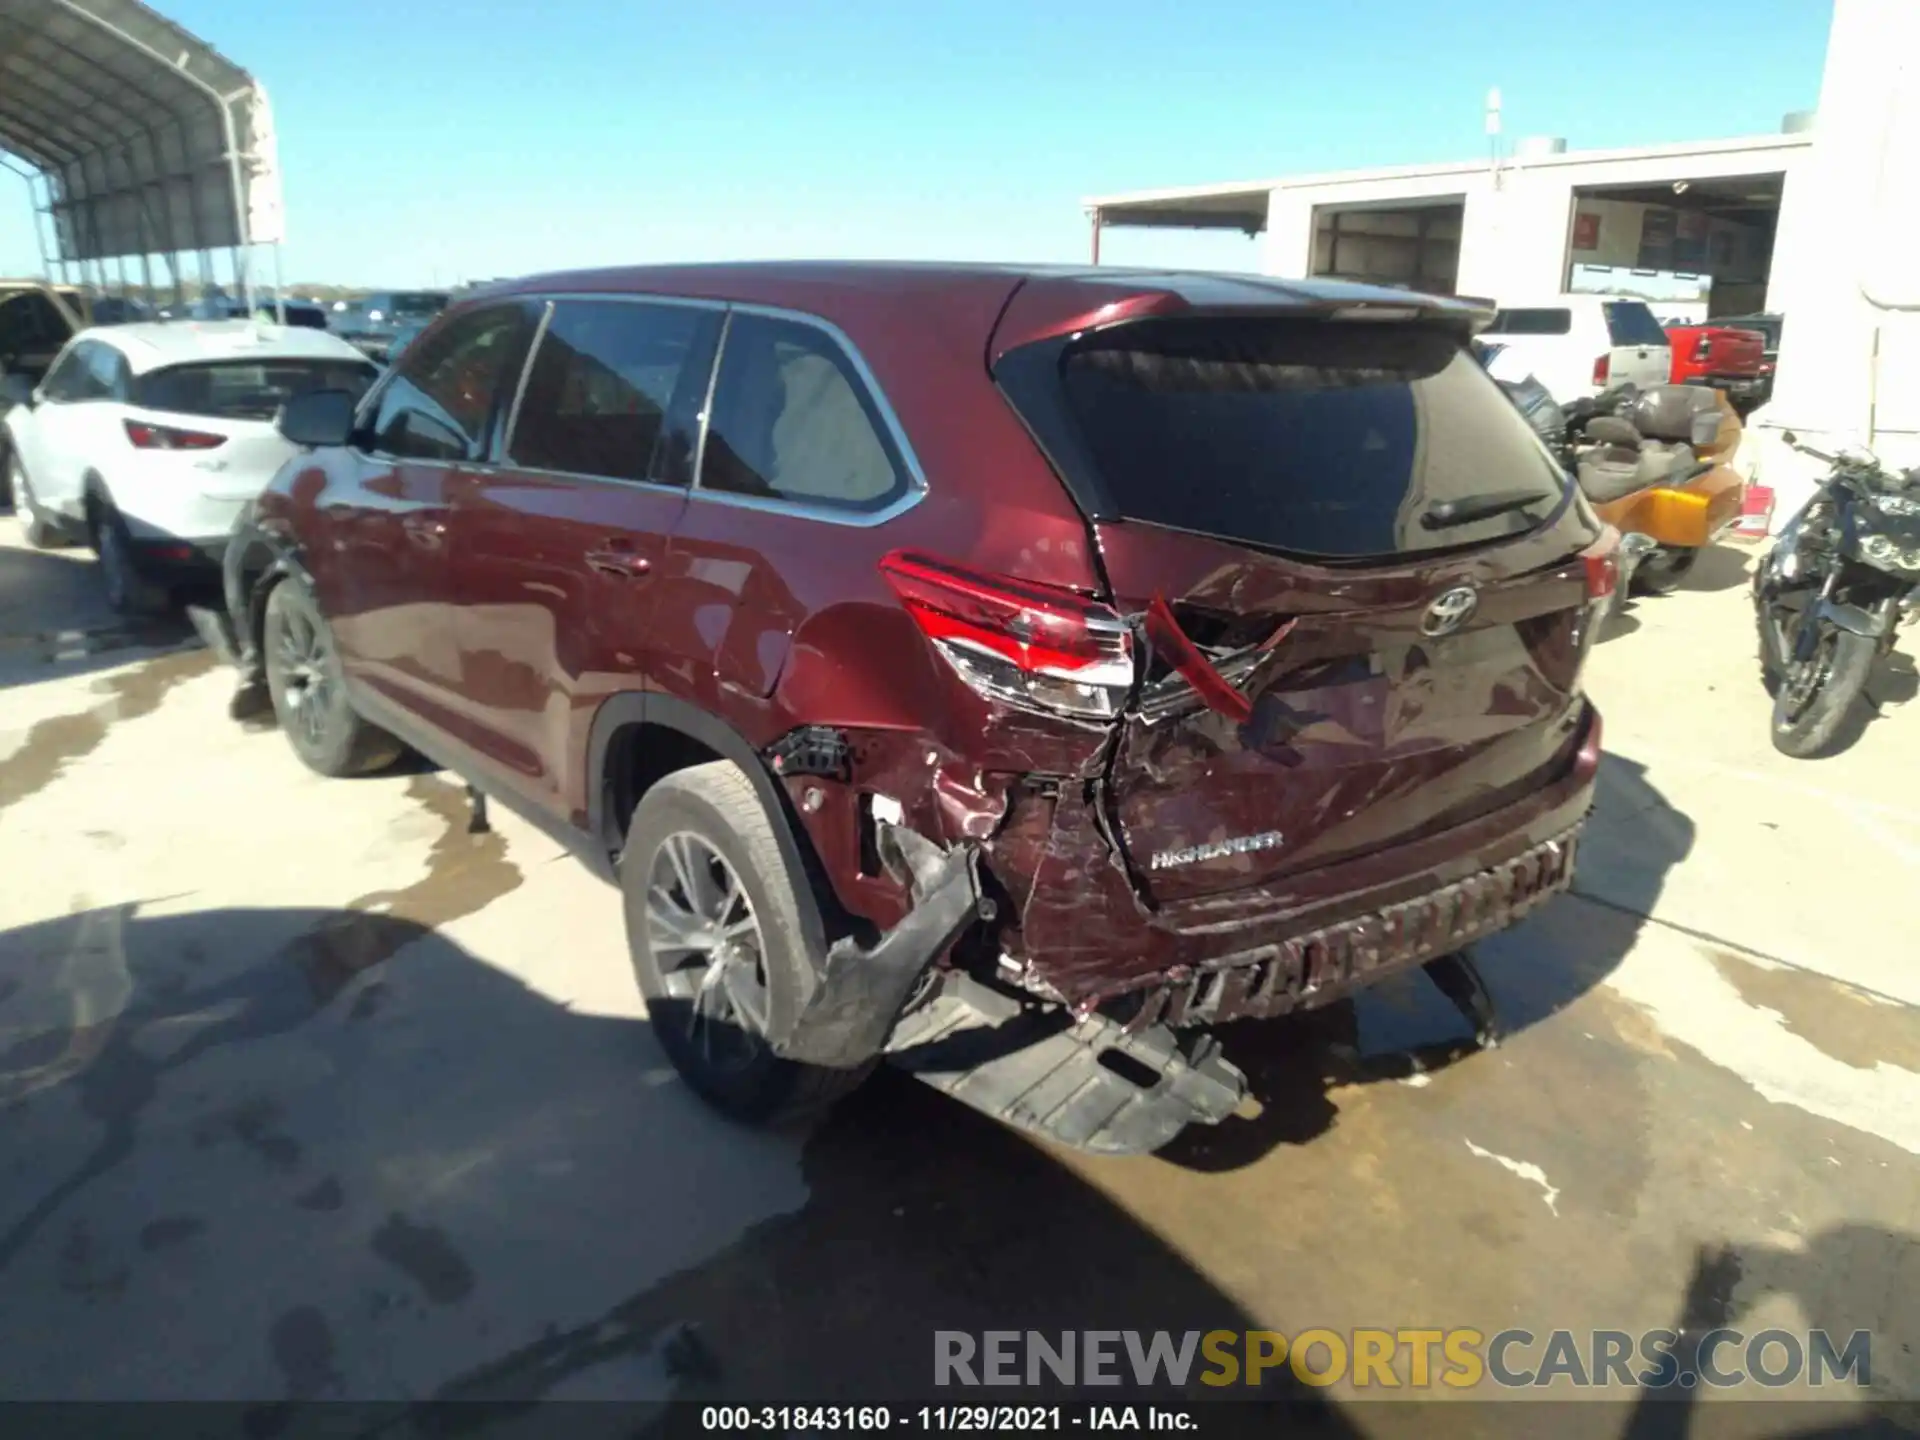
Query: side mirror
{"x": 317, "y": 418}
{"x": 18, "y": 390}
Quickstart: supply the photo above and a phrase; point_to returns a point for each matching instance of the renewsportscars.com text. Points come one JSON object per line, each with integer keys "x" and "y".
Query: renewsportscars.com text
{"x": 1459, "y": 1359}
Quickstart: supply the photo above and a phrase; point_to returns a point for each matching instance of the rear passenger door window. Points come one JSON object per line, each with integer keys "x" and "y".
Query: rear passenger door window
{"x": 448, "y": 396}
{"x": 793, "y": 421}
{"x": 615, "y": 391}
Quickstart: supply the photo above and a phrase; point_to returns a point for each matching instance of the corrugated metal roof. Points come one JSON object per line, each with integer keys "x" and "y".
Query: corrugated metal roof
{"x": 151, "y": 141}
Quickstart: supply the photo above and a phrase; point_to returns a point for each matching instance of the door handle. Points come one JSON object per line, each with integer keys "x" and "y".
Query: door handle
{"x": 424, "y": 531}
{"x": 619, "y": 562}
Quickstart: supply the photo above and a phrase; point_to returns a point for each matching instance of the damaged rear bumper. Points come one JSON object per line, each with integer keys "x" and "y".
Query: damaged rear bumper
{"x": 858, "y": 991}
{"x": 1325, "y": 964}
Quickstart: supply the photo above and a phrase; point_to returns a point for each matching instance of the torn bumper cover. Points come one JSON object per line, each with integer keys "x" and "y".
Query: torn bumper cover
{"x": 860, "y": 990}
{"x": 1305, "y": 971}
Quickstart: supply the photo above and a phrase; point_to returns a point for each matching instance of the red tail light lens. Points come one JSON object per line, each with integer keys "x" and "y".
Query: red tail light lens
{"x": 165, "y": 437}
{"x": 1036, "y": 647}
{"x": 1601, "y": 368}
{"x": 1603, "y": 567}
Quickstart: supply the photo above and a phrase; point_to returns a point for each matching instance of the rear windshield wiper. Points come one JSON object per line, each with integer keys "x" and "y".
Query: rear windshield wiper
{"x": 1469, "y": 508}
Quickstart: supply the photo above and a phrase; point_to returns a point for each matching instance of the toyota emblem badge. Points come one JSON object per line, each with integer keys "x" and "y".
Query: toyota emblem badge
{"x": 1452, "y": 609}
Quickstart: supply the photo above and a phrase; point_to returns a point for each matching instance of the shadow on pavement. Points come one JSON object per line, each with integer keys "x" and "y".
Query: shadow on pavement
{"x": 1720, "y": 567}
{"x": 54, "y": 624}
{"x": 231, "y": 1175}
{"x": 1844, "y": 1280}
{"x": 1621, "y": 623}
{"x": 1405, "y": 1025}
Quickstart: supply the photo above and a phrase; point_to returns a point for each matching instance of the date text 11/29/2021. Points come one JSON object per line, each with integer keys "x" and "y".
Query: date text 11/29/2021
{"x": 785, "y": 1419}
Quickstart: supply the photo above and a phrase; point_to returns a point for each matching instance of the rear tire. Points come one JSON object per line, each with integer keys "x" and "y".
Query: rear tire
{"x": 1806, "y": 722}
{"x": 309, "y": 691}
{"x": 1664, "y": 571}
{"x": 713, "y": 927}
{"x": 127, "y": 591}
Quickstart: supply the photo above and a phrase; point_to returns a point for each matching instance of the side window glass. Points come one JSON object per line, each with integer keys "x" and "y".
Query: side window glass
{"x": 14, "y": 325}
{"x": 28, "y": 323}
{"x": 448, "y": 395}
{"x": 91, "y": 373}
{"x": 792, "y": 421}
{"x": 60, "y": 382}
{"x": 48, "y": 321}
{"x": 106, "y": 373}
{"x": 601, "y": 394}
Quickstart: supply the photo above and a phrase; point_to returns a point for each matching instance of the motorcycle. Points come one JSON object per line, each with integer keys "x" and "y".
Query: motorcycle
{"x": 1655, "y": 464}
{"x": 1830, "y": 596}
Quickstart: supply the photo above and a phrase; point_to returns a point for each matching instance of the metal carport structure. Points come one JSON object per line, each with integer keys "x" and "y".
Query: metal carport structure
{"x": 137, "y": 140}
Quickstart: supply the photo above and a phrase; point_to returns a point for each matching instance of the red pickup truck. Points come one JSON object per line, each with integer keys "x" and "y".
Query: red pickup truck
{"x": 1728, "y": 359}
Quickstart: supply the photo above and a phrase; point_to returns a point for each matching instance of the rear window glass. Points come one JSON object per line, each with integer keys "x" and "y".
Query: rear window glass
{"x": 1531, "y": 322}
{"x": 247, "y": 389}
{"x": 419, "y": 304}
{"x": 1631, "y": 323}
{"x": 1335, "y": 441}
{"x": 309, "y": 316}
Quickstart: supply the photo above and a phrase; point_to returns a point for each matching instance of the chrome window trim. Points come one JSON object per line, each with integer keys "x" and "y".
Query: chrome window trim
{"x": 505, "y": 443}
{"x": 916, "y": 477}
{"x": 705, "y": 415}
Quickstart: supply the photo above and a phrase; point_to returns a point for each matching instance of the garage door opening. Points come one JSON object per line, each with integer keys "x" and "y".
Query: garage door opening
{"x": 1701, "y": 247}
{"x": 1415, "y": 246}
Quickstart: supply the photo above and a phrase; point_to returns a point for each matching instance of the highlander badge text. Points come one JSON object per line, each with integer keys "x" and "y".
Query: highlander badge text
{"x": 1216, "y": 850}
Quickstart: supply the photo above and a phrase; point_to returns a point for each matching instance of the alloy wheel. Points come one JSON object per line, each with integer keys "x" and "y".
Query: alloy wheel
{"x": 1805, "y": 679}
{"x": 304, "y": 660}
{"x": 706, "y": 941}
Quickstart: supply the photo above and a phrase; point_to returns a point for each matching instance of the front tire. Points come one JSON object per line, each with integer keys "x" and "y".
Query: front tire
{"x": 309, "y": 692}
{"x": 1664, "y": 571}
{"x": 1813, "y": 700}
{"x": 713, "y": 927}
{"x": 36, "y": 527}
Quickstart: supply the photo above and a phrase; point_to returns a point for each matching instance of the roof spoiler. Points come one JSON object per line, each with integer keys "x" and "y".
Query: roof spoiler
{"x": 1468, "y": 314}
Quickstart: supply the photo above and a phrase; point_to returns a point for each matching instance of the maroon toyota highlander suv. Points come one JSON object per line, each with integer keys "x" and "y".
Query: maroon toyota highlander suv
{"x": 1010, "y": 673}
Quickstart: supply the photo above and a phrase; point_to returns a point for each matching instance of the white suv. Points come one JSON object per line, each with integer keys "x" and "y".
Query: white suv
{"x": 1584, "y": 344}
{"x": 145, "y": 441}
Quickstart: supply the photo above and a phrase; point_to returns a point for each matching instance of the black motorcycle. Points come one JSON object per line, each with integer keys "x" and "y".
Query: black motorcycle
{"x": 1830, "y": 596}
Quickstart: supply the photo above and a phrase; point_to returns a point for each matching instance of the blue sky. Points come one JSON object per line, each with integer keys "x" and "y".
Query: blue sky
{"x": 471, "y": 138}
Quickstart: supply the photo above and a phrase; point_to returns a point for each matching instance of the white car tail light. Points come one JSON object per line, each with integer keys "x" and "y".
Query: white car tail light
{"x": 166, "y": 437}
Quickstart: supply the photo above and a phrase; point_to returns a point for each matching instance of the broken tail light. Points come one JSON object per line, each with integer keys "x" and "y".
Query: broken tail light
{"x": 165, "y": 437}
{"x": 1037, "y": 647}
{"x": 1602, "y": 562}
